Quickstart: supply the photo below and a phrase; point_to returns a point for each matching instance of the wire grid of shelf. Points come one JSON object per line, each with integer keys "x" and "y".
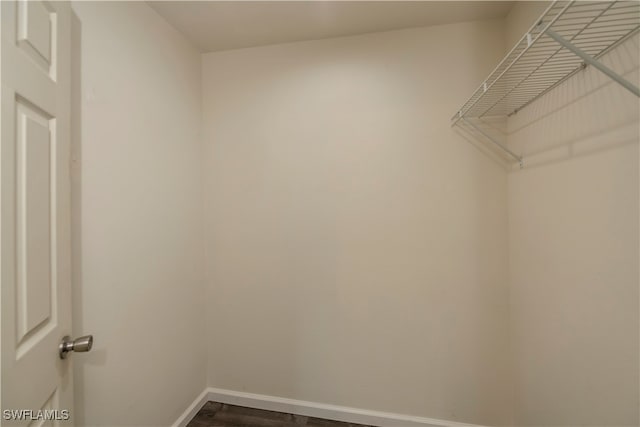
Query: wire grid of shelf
{"x": 538, "y": 62}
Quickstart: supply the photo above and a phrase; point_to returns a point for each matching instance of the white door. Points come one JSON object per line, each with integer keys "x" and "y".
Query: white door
{"x": 35, "y": 209}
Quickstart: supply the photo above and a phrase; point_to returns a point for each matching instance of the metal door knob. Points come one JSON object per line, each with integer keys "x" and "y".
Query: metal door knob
{"x": 79, "y": 345}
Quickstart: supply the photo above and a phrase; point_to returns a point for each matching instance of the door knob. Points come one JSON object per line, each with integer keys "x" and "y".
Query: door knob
{"x": 79, "y": 344}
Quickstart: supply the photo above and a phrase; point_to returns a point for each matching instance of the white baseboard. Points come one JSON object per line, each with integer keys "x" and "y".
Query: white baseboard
{"x": 313, "y": 409}
{"x": 192, "y": 410}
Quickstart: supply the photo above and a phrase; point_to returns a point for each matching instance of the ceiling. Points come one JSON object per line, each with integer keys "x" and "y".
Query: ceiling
{"x": 222, "y": 25}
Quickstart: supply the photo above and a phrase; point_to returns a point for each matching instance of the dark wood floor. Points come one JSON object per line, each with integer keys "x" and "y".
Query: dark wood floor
{"x": 215, "y": 414}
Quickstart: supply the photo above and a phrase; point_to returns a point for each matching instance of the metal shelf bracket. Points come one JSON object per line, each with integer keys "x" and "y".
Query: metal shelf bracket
{"x": 588, "y": 59}
{"x": 491, "y": 139}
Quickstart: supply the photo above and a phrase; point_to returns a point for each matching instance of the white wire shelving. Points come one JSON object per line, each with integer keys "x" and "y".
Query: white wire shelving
{"x": 567, "y": 37}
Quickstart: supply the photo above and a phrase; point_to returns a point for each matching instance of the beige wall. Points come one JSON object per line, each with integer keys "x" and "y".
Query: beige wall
{"x": 138, "y": 278}
{"x": 574, "y": 249}
{"x": 356, "y": 245}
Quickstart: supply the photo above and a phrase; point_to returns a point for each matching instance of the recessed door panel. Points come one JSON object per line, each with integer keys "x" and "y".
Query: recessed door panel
{"x": 49, "y": 405}
{"x": 34, "y": 150}
{"x": 35, "y": 25}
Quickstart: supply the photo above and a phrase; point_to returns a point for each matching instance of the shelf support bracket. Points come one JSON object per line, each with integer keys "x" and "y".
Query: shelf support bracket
{"x": 490, "y": 138}
{"x": 592, "y": 61}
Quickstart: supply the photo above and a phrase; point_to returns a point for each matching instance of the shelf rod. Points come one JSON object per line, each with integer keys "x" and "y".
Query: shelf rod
{"x": 591, "y": 61}
{"x": 486, "y": 135}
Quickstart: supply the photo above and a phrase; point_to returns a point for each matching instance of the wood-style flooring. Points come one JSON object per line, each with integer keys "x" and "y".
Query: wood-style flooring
{"x": 214, "y": 414}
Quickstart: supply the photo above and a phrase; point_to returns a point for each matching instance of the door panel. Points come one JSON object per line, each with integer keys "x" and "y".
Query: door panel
{"x": 34, "y": 224}
{"x": 34, "y": 20}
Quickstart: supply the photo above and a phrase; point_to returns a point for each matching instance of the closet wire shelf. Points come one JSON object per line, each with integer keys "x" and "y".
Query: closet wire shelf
{"x": 567, "y": 37}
